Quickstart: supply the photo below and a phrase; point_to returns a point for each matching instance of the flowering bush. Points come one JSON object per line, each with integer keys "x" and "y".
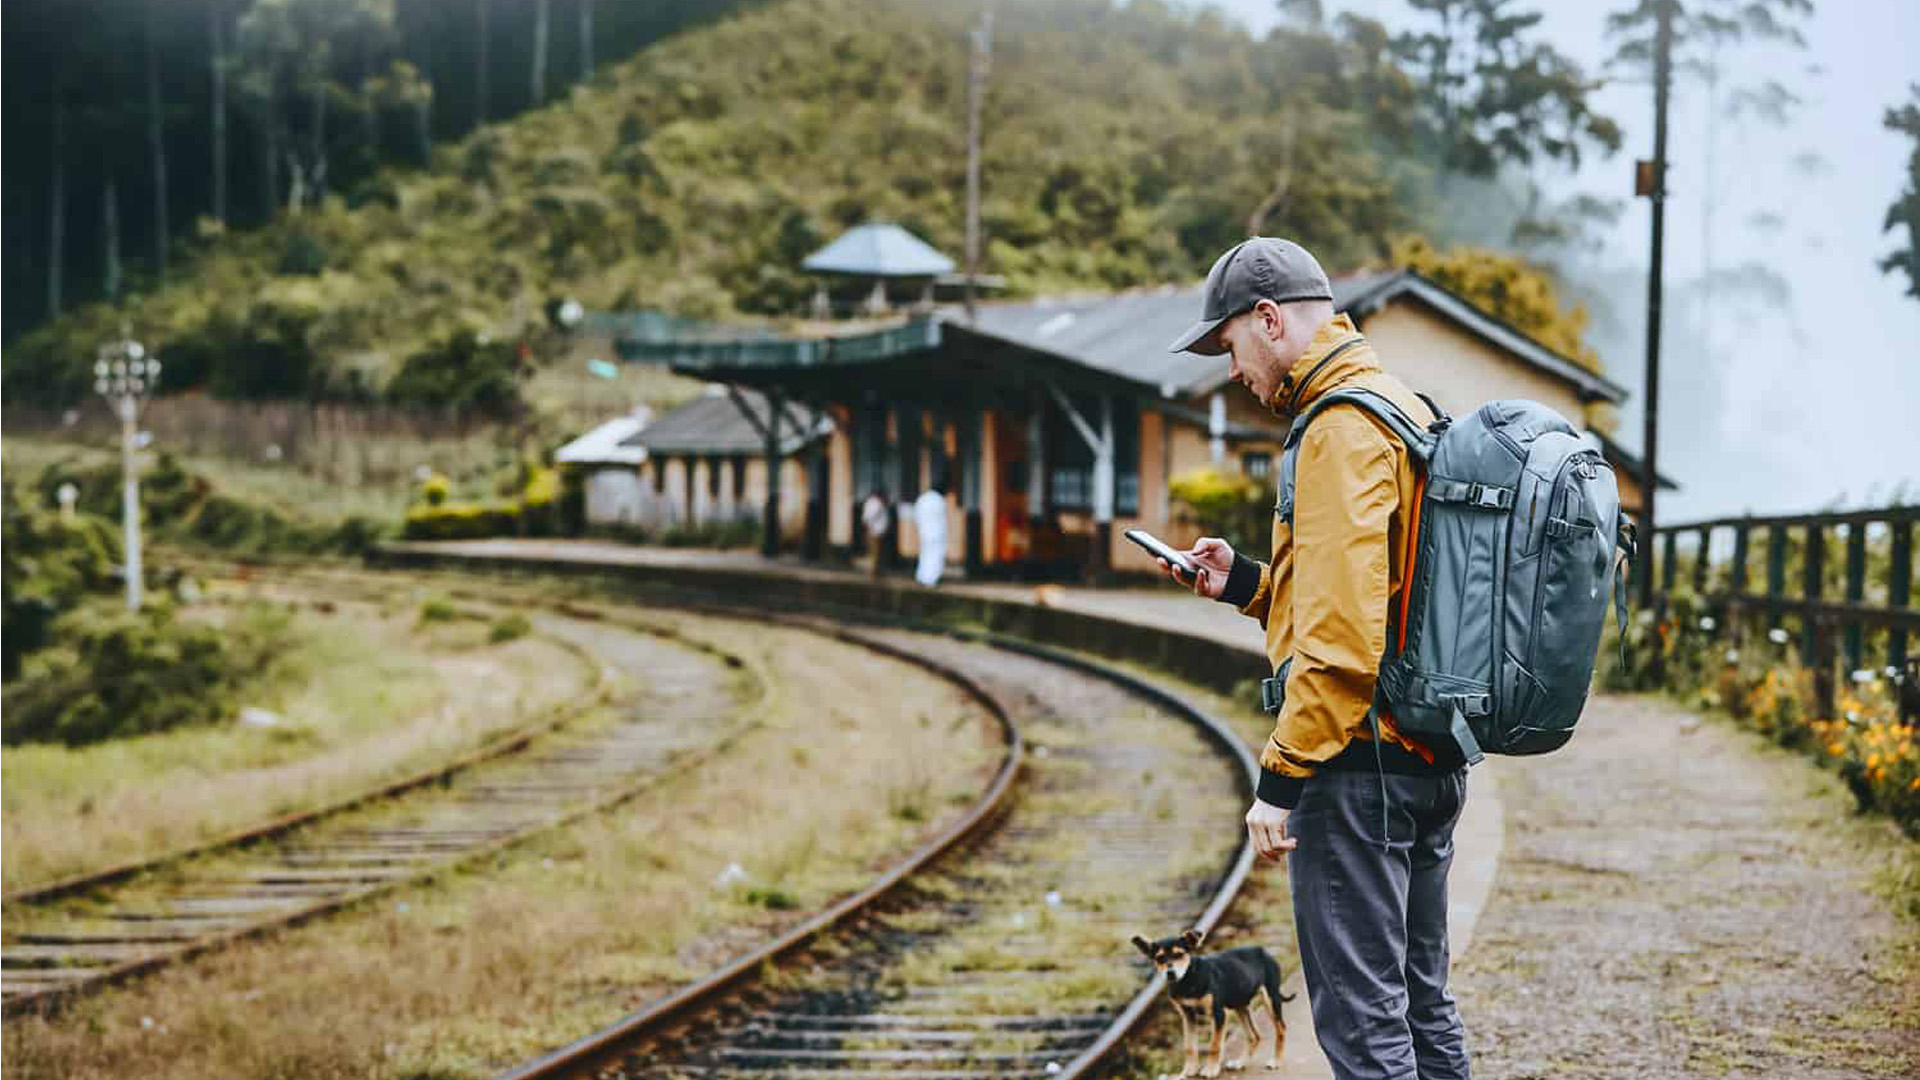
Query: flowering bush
{"x": 1762, "y": 685}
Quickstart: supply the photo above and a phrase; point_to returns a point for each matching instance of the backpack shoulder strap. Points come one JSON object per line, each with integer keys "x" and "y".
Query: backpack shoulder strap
{"x": 1419, "y": 443}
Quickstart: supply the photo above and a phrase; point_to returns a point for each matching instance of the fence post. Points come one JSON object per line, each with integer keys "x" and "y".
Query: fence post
{"x": 1811, "y": 569}
{"x": 1856, "y": 591}
{"x": 1737, "y": 581}
{"x": 1900, "y": 590}
{"x": 1667, "y": 567}
{"x": 1776, "y": 571}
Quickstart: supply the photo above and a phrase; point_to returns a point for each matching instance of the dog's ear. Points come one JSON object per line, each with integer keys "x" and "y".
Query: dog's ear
{"x": 1141, "y": 944}
{"x": 1192, "y": 939}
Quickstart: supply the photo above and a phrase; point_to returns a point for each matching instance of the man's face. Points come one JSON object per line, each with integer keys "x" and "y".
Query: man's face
{"x": 1253, "y": 340}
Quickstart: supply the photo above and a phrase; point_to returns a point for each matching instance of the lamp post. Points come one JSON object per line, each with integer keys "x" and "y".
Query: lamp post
{"x": 125, "y": 376}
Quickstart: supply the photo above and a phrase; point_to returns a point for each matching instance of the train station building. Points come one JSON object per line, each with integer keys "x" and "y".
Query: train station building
{"x": 1059, "y": 423}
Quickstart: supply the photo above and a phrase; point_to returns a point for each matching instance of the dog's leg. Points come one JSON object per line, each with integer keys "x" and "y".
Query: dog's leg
{"x": 1218, "y": 1042}
{"x": 1279, "y": 1030}
{"x": 1245, "y": 1016}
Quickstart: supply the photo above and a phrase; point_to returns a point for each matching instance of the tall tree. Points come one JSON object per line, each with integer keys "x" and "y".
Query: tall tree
{"x": 586, "y": 40}
{"x": 1493, "y": 93}
{"x": 482, "y": 41}
{"x": 1905, "y": 210}
{"x": 110, "y": 236}
{"x": 217, "y": 17}
{"x": 156, "y": 146}
{"x": 540, "y": 13}
{"x": 57, "y": 197}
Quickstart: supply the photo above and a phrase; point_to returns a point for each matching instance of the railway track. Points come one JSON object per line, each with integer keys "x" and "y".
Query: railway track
{"x": 997, "y": 949}
{"x": 86, "y": 932}
{"x": 1007, "y": 958}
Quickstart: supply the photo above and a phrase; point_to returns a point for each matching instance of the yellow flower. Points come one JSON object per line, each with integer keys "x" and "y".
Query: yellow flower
{"x": 1872, "y": 760}
{"x": 1836, "y": 749}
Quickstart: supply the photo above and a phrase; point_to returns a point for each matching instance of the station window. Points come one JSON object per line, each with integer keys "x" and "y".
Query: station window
{"x": 1257, "y": 466}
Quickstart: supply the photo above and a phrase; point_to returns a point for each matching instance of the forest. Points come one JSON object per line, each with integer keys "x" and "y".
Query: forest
{"x": 303, "y": 198}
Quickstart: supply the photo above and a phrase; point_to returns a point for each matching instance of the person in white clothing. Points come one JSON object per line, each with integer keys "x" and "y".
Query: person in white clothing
{"x": 930, "y": 517}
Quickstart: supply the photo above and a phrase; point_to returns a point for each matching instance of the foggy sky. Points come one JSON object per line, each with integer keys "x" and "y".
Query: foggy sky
{"x": 1815, "y": 404}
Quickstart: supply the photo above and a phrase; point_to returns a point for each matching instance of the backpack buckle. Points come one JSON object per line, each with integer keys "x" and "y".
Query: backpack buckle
{"x": 1491, "y": 498}
{"x": 1273, "y": 693}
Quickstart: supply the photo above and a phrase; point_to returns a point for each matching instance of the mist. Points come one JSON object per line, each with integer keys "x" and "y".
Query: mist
{"x": 1773, "y": 400}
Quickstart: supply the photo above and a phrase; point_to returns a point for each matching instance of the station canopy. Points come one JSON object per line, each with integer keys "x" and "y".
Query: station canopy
{"x": 1114, "y": 342}
{"x": 879, "y": 249}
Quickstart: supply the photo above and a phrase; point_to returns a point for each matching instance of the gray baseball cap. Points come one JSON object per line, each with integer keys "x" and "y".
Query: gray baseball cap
{"x": 1263, "y": 268}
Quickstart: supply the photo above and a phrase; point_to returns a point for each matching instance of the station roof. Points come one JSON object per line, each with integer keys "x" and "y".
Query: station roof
{"x": 879, "y": 249}
{"x": 1114, "y": 337}
{"x": 1127, "y": 333}
{"x": 1632, "y": 463}
{"x": 713, "y": 425}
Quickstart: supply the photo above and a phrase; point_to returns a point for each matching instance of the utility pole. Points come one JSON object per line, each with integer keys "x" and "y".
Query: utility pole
{"x": 976, "y": 91}
{"x": 1653, "y": 184}
{"x": 124, "y": 375}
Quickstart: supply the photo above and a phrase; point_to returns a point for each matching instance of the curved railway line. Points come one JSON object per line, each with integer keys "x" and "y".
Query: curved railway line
{"x": 998, "y": 948}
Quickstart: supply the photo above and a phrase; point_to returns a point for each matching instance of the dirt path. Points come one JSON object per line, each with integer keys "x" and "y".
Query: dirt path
{"x": 1678, "y": 899}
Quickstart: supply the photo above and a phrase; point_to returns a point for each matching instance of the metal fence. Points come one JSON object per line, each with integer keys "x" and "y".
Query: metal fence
{"x": 1844, "y": 613}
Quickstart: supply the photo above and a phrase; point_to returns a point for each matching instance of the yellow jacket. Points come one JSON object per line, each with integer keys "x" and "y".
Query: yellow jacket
{"x": 1333, "y": 589}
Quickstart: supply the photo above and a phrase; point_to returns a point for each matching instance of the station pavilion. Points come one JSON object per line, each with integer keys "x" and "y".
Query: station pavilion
{"x": 1060, "y": 422}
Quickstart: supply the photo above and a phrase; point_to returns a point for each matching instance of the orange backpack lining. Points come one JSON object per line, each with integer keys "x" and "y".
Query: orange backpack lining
{"x": 1406, "y": 596}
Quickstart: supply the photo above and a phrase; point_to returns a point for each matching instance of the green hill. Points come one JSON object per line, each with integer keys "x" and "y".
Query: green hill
{"x": 1124, "y": 145}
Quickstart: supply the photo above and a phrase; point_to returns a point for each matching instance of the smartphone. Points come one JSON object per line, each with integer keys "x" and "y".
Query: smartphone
{"x": 1158, "y": 549}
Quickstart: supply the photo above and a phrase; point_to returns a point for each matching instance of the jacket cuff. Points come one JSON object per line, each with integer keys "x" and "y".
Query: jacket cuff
{"x": 1242, "y": 582}
{"x": 1279, "y": 790}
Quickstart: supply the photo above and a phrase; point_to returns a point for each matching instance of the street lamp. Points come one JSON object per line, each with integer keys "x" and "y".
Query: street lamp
{"x": 125, "y": 375}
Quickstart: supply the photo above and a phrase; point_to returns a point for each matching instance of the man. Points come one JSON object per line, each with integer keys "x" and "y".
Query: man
{"x": 1367, "y": 825}
{"x": 875, "y": 514}
{"x": 930, "y": 519}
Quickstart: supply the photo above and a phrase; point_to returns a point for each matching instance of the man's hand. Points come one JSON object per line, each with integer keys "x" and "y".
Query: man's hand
{"x": 1267, "y": 828}
{"x": 1214, "y": 557}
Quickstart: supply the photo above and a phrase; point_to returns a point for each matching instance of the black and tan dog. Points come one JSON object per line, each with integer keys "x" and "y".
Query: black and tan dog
{"x": 1234, "y": 980}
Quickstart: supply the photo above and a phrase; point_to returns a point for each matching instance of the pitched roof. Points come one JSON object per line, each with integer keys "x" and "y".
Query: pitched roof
{"x": 879, "y": 249}
{"x": 1632, "y": 463}
{"x": 604, "y": 445}
{"x": 712, "y": 424}
{"x": 1127, "y": 334}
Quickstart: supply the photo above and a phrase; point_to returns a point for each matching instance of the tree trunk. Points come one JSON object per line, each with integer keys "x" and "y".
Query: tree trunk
{"x": 481, "y": 42}
{"x": 216, "y": 20}
{"x": 269, "y": 166}
{"x": 586, "y": 40}
{"x": 540, "y": 11}
{"x": 317, "y": 157}
{"x": 423, "y": 120}
{"x": 110, "y": 228}
{"x": 157, "y": 148}
{"x": 57, "y": 212}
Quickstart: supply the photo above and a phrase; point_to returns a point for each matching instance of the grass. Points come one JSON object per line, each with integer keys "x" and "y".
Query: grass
{"x": 605, "y": 915}
{"x": 294, "y": 491}
{"x": 411, "y": 697}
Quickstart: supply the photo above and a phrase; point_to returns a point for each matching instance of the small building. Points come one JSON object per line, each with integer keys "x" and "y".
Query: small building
{"x": 1063, "y": 420}
{"x": 704, "y": 463}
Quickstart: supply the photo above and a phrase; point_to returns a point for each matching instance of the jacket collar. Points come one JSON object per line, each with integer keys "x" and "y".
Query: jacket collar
{"x": 1336, "y": 354}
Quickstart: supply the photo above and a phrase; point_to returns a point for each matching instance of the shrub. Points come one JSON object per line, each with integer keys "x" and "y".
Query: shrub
{"x": 436, "y": 489}
{"x": 462, "y": 373}
{"x": 438, "y": 609}
{"x": 116, "y": 673}
{"x": 509, "y": 628}
{"x": 1238, "y": 508}
{"x": 47, "y": 566}
{"x": 461, "y": 521}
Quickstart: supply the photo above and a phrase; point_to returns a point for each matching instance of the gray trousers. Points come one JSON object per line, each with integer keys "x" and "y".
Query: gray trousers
{"x": 1372, "y": 922}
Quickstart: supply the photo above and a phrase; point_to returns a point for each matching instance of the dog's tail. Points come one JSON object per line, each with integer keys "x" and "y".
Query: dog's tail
{"x": 1274, "y": 996}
